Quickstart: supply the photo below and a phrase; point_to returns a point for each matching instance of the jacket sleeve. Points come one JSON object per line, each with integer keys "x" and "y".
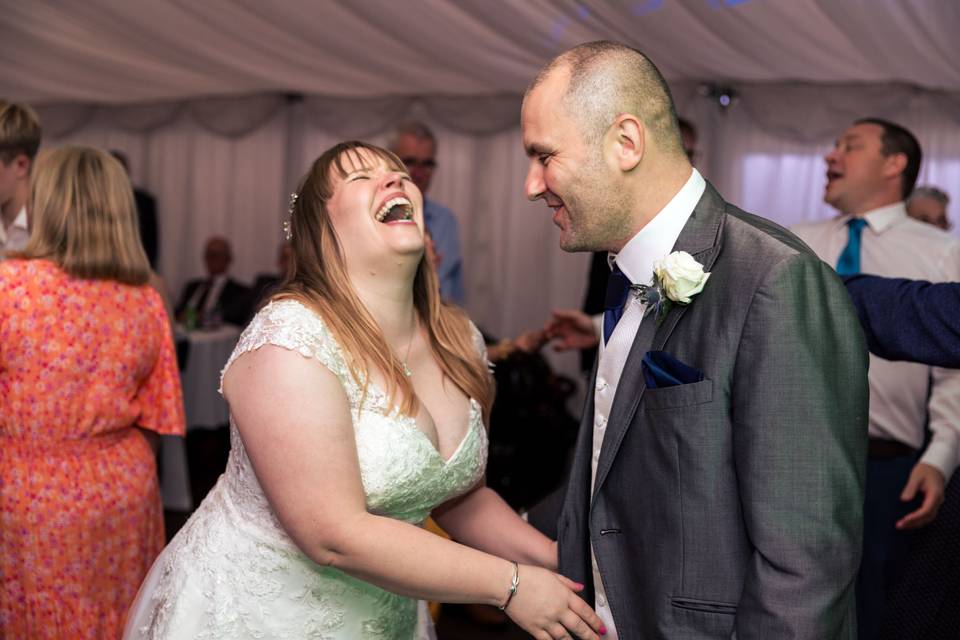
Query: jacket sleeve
{"x": 909, "y": 319}
{"x": 800, "y": 406}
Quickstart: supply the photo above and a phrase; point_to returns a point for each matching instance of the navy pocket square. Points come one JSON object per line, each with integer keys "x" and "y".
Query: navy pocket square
{"x": 661, "y": 370}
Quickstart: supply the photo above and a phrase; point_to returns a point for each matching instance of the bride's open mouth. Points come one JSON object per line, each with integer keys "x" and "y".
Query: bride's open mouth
{"x": 397, "y": 209}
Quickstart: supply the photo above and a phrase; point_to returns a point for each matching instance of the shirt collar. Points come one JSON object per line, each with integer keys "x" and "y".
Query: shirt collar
{"x": 881, "y": 218}
{"x": 21, "y": 220}
{"x": 656, "y": 239}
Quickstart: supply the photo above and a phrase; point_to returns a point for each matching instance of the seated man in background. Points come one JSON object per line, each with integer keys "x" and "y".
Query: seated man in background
{"x": 218, "y": 297}
{"x": 929, "y": 204}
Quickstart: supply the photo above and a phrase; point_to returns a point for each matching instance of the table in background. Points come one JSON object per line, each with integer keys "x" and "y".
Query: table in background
{"x": 203, "y": 405}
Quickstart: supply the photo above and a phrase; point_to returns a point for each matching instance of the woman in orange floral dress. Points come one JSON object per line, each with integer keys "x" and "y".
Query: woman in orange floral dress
{"x": 87, "y": 376}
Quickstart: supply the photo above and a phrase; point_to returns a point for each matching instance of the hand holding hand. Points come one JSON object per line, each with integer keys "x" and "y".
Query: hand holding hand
{"x": 571, "y": 329}
{"x": 530, "y": 341}
{"x": 929, "y": 481}
{"x": 547, "y": 607}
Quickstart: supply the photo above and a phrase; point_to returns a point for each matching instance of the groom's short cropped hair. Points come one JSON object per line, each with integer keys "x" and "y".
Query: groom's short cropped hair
{"x": 609, "y": 78}
{"x": 897, "y": 139}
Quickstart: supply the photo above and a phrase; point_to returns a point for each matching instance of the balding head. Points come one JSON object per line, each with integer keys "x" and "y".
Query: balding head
{"x": 604, "y": 148}
{"x": 606, "y": 79}
{"x": 217, "y": 255}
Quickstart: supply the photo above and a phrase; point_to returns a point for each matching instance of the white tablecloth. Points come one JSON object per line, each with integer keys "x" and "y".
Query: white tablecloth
{"x": 209, "y": 351}
{"x": 202, "y": 403}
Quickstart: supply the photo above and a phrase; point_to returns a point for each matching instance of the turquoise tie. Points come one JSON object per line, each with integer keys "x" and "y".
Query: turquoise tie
{"x": 849, "y": 262}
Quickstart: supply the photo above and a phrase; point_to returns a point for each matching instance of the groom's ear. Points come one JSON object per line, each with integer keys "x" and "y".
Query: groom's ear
{"x": 626, "y": 141}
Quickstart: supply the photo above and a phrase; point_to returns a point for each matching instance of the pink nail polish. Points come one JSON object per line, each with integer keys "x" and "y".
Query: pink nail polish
{"x": 603, "y": 630}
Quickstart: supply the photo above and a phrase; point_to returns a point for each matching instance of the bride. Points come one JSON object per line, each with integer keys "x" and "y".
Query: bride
{"x": 357, "y": 403}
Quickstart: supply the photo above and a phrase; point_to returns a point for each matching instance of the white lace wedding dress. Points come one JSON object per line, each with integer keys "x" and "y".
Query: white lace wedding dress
{"x": 233, "y": 573}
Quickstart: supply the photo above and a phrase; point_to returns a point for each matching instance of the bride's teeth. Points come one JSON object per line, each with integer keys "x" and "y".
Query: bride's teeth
{"x": 389, "y": 204}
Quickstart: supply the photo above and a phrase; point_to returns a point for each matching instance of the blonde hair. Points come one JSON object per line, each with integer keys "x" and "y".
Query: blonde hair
{"x": 83, "y": 216}
{"x": 318, "y": 278}
{"x": 19, "y": 131}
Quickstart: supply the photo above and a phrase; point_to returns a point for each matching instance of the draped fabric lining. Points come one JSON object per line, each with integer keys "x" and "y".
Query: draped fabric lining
{"x": 221, "y": 107}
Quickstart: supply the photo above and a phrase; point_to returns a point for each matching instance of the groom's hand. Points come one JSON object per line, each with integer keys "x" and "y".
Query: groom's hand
{"x": 928, "y": 480}
{"x": 571, "y": 329}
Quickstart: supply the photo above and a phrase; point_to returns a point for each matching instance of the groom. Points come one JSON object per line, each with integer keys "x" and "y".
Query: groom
{"x": 717, "y": 485}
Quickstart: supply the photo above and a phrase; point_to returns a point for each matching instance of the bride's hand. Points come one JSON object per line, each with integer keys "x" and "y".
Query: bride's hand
{"x": 547, "y": 607}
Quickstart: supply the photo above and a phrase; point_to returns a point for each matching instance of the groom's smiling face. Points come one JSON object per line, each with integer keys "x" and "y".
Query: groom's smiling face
{"x": 566, "y": 172}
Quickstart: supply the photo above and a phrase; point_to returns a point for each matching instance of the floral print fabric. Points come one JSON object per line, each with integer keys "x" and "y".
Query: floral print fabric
{"x": 81, "y": 363}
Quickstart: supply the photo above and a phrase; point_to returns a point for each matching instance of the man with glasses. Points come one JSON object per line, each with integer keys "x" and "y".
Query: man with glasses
{"x": 416, "y": 145}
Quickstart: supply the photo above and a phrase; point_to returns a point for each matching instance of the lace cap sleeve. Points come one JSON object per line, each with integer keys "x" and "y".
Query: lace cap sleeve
{"x": 291, "y": 325}
{"x": 480, "y": 345}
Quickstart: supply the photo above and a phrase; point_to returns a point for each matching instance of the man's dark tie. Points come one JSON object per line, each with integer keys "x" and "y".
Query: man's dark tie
{"x": 202, "y": 301}
{"x": 849, "y": 262}
{"x": 618, "y": 285}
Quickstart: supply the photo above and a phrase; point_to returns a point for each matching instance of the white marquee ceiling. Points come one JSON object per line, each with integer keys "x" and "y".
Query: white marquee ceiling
{"x": 120, "y": 51}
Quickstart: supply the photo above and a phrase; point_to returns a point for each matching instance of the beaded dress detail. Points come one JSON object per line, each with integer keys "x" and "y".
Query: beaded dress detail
{"x": 233, "y": 572}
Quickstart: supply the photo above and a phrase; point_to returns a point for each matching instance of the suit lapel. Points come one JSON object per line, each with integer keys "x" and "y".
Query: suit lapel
{"x": 701, "y": 238}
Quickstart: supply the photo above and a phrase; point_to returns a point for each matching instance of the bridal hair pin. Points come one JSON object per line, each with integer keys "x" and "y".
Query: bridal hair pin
{"x": 288, "y": 223}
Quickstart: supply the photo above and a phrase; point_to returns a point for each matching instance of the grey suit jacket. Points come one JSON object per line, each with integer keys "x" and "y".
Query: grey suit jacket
{"x": 732, "y": 507}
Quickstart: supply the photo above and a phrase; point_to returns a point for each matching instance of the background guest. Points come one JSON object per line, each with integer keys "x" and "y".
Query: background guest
{"x": 923, "y": 605}
{"x": 19, "y": 141}
{"x": 267, "y": 283}
{"x": 932, "y": 333}
{"x": 146, "y": 213}
{"x": 870, "y": 172}
{"x": 218, "y": 296}
{"x": 416, "y": 145}
{"x": 929, "y": 204}
{"x": 88, "y": 375}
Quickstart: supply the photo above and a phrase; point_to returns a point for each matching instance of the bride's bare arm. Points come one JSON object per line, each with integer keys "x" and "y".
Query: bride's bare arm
{"x": 481, "y": 519}
{"x": 294, "y": 418}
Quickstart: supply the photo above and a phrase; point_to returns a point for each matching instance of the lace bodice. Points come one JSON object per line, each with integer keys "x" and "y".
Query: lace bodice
{"x": 403, "y": 475}
{"x": 253, "y": 580}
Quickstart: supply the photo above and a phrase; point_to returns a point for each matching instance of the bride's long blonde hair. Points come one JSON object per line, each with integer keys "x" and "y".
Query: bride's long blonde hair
{"x": 318, "y": 278}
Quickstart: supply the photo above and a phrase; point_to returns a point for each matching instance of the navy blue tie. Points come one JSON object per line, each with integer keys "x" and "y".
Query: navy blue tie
{"x": 848, "y": 264}
{"x": 618, "y": 286}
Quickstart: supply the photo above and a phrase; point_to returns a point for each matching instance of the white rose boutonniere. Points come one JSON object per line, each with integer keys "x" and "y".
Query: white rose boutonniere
{"x": 676, "y": 279}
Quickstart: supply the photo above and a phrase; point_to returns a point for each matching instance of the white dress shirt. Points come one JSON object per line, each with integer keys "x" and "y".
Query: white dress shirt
{"x": 903, "y": 395}
{"x": 653, "y": 242}
{"x": 15, "y": 237}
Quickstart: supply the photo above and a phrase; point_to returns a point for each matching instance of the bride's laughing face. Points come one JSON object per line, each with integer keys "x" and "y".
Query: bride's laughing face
{"x": 376, "y": 210}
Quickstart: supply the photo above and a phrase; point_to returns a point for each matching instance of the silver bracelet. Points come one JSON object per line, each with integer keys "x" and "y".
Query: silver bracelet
{"x": 513, "y": 586}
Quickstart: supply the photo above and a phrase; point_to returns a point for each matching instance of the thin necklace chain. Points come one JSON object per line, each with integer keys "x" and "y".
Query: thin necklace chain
{"x": 406, "y": 368}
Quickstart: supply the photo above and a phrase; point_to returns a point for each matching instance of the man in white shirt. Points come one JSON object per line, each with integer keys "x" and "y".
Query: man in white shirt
{"x": 870, "y": 172}
{"x": 716, "y": 487}
{"x": 19, "y": 140}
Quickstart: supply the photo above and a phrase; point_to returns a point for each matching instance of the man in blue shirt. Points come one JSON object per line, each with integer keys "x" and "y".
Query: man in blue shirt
{"x": 909, "y": 319}
{"x": 416, "y": 145}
